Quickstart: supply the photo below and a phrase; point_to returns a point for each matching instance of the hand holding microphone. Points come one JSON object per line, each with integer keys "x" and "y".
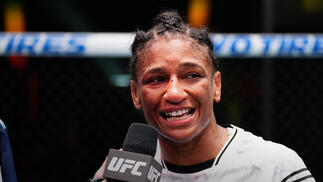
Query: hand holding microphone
{"x": 136, "y": 161}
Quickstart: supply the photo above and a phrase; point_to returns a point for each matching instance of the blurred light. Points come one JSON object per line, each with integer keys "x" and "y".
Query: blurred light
{"x": 312, "y": 6}
{"x": 120, "y": 80}
{"x": 199, "y": 12}
{"x": 14, "y": 21}
{"x": 14, "y": 17}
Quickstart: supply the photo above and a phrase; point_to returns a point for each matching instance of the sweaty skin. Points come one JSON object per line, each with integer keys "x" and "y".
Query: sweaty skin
{"x": 176, "y": 88}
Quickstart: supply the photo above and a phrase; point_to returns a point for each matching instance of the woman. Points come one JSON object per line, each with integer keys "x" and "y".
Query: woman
{"x": 175, "y": 80}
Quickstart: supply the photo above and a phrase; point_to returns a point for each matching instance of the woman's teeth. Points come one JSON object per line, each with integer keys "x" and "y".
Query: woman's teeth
{"x": 178, "y": 115}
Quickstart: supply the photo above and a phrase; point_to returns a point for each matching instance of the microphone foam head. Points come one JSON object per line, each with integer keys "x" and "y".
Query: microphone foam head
{"x": 141, "y": 138}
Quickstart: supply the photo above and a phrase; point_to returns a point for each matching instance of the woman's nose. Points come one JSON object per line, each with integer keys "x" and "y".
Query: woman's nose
{"x": 175, "y": 92}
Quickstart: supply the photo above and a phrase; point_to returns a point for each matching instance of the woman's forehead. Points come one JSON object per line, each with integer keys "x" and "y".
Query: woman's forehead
{"x": 174, "y": 48}
{"x": 170, "y": 52}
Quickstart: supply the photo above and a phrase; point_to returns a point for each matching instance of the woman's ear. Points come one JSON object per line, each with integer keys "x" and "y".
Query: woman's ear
{"x": 135, "y": 94}
{"x": 217, "y": 86}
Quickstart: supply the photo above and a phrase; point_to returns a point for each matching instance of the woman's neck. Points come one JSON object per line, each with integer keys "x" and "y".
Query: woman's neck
{"x": 203, "y": 147}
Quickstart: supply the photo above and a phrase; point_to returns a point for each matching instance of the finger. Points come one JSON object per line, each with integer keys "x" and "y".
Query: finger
{"x": 97, "y": 180}
{"x": 100, "y": 171}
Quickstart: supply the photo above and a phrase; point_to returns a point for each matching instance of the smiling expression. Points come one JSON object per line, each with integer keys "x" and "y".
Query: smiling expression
{"x": 176, "y": 87}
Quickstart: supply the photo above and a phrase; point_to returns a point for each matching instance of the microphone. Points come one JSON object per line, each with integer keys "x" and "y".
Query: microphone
{"x": 135, "y": 163}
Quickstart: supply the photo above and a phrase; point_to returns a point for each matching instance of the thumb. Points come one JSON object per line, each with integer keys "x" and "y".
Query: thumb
{"x": 100, "y": 171}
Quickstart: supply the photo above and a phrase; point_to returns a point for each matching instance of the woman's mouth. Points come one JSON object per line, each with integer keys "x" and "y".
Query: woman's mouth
{"x": 177, "y": 115}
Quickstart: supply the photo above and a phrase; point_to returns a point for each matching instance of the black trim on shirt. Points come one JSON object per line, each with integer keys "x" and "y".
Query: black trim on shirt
{"x": 235, "y": 133}
{"x": 303, "y": 178}
{"x": 201, "y": 166}
{"x": 189, "y": 169}
{"x": 297, "y": 172}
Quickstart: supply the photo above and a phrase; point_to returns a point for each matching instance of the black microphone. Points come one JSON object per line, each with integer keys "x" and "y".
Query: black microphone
{"x": 135, "y": 162}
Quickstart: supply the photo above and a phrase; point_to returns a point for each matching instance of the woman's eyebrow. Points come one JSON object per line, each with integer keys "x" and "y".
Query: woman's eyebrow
{"x": 191, "y": 65}
{"x": 154, "y": 70}
{"x": 183, "y": 65}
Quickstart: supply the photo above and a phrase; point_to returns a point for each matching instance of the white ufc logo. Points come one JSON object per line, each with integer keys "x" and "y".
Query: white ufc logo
{"x": 153, "y": 174}
{"x": 121, "y": 165}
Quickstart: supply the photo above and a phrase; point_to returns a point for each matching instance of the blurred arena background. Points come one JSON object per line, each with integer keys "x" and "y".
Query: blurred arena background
{"x": 64, "y": 113}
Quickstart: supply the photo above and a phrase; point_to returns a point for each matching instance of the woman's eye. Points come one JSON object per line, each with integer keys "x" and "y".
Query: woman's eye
{"x": 192, "y": 75}
{"x": 156, "y": 80}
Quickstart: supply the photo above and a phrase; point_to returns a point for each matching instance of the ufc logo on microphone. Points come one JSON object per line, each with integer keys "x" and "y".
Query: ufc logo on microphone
{"x": 121, "y": 165}
{"x": 153, "y": 174}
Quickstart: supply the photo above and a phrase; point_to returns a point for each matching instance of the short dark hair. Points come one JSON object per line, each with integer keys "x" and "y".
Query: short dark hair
{"x": 169, "y": 23}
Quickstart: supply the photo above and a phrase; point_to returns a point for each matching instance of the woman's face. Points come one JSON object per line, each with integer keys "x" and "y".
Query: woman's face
{"x": 176, "y": 87}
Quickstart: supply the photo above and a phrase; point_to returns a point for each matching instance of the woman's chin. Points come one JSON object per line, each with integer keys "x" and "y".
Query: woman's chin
{"x": 177, "y": 136}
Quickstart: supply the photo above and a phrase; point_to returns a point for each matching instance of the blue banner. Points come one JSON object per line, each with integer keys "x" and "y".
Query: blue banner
{"x": 118, "y": 45}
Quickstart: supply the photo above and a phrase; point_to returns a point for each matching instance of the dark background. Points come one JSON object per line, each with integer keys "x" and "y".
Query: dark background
{"x": 64, "y": 114}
